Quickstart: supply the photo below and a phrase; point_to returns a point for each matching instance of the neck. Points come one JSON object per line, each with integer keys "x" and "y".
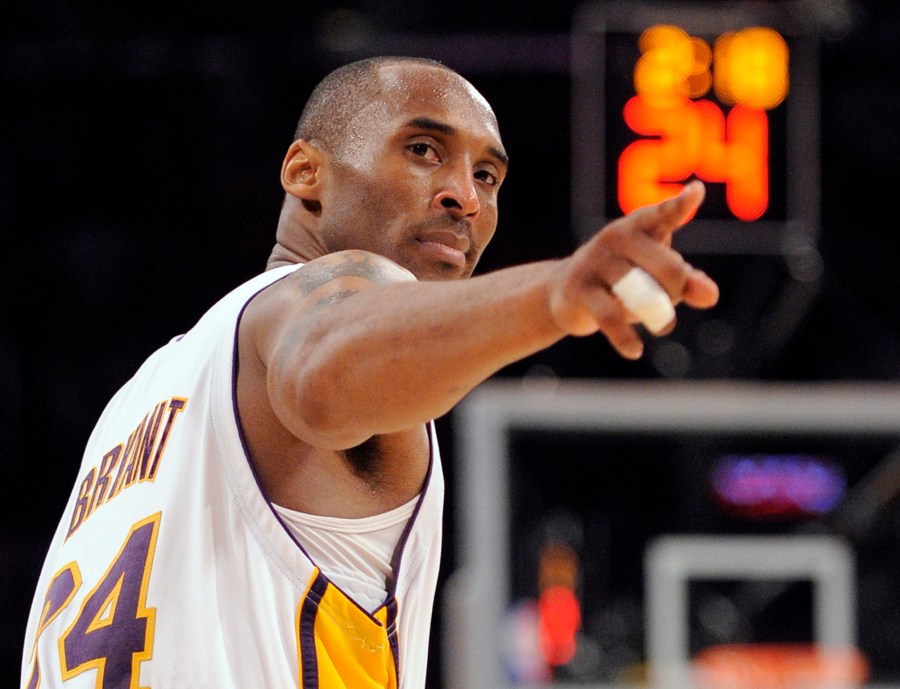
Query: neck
{"x": 295, "y": 239}
{"x": 282, "y": 256}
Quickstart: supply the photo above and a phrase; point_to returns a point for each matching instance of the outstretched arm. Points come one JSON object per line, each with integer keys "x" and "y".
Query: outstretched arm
{"x": 354, "y": 347}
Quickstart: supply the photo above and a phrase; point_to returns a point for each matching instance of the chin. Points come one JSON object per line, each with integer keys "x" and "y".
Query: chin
{"x": 442, "y": 272}
{"x": 428, "y": 267}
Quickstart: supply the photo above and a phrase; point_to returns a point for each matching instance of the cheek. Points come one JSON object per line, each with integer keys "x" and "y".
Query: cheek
{"x": 363, "y": 215}
{"x": 487, "y": 223}
{"x": 387, "y": 198}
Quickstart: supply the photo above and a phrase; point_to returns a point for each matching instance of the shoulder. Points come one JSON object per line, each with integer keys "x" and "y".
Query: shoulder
{"x": 322, "y": 282}
{"x": 352, "y": 264}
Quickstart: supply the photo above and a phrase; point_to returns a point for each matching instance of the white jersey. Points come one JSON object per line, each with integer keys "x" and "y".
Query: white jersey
{"x": 171, "y": 570}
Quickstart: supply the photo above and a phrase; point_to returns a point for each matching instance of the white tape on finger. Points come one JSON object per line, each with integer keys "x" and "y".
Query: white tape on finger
{"x": 643, "y": 296}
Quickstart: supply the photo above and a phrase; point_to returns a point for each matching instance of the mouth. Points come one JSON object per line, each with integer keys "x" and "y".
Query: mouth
{"x": 446, "y": 247}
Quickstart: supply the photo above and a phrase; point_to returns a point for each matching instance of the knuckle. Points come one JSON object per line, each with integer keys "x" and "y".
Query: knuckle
{"x": 618, "y": 235}
{"x": 610, "y": 317}
{"x": 675, "y": 273}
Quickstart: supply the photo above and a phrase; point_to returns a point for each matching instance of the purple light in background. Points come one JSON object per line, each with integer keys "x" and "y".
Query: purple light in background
{"x": 777, "y": 485}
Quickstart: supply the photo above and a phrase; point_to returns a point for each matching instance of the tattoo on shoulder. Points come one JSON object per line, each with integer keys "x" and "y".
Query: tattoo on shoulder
{"x": 358, "y": 264}
{"x": 335, "y": 297}
{"x": 361, "y": 264}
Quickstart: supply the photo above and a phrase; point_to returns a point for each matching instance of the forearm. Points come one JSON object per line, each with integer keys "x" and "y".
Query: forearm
{"x": 396, "y": 355}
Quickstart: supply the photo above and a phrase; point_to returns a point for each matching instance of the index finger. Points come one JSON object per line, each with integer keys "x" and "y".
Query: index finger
{"x": 661, "y": 219}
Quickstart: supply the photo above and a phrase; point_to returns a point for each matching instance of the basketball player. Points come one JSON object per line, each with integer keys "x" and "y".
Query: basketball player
{"x": 260, "y": 505}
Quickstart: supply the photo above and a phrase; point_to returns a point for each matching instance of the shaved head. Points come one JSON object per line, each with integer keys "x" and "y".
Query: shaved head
{"x": 334, "y": 114}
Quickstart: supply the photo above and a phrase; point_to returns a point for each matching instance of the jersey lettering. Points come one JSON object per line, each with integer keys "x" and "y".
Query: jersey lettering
{"x": 139, "y": 460}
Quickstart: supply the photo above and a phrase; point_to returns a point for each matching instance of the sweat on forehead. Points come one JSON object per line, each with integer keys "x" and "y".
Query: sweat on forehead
{"x": 399, "y": 82}
{"x": 352, "y": 95}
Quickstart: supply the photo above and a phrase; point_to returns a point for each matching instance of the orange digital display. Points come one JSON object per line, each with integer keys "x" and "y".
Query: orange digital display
{"x": 684, "y": 135}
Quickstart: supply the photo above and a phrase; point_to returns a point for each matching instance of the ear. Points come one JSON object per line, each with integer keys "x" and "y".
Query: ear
{"x": 302, "y": 170}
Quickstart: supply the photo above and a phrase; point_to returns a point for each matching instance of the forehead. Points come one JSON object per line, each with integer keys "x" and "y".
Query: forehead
{"x": 414, "y": 91}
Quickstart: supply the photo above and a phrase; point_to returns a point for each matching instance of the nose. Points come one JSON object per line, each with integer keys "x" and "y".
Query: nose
{"x": 458, "y": 195}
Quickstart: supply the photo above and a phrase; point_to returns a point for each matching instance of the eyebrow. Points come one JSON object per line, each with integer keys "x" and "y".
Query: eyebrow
{"x": 433, "y": 125}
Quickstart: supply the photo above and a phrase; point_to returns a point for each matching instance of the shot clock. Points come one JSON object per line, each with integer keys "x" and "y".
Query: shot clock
{"x": 726, "y": 93}
{"x": 683, "y": 133}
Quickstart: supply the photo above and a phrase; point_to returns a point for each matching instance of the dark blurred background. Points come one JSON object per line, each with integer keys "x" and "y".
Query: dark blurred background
{"x": 139, "y": 159}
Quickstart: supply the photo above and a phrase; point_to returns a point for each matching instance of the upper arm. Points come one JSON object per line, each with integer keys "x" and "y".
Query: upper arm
{"x": 284, "y": 326}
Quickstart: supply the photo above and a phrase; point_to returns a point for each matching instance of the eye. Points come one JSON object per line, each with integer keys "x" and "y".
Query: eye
{"x": 423, "y": 150}
{"x": 486, "y": 176}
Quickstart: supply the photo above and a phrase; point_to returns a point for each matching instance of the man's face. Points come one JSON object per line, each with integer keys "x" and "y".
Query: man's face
{"x": 418, "y": 179}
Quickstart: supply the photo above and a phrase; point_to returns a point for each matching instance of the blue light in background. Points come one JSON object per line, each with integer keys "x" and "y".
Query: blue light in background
{"x": 773, "y": 485}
